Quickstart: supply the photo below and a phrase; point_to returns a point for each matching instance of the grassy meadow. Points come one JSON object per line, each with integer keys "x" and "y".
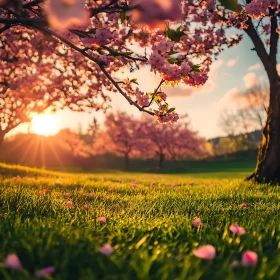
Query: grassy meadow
{"x": 149, "y": 223}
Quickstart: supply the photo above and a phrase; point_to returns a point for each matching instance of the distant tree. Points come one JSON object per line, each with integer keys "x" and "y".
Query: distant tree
{"x": 75, "y": 144}
{"x": 250, "y": 116}
{"x": 174, "y": 141}
{"x": 122, "y": 135}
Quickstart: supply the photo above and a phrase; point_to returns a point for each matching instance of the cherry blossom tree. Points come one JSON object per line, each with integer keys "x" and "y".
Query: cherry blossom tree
{"x": 36, "y": 76}
{"x": 173, "y": 141}
{"x": 177, "y": 39}
{"x": 122, "y": 135}
{"x": 75, "y": 144}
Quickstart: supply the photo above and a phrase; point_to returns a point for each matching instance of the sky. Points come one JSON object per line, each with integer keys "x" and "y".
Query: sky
{"x": 236, "y": 69}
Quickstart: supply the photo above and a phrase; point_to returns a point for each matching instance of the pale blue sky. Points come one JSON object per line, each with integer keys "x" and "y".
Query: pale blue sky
{"x": 203, "y": 105}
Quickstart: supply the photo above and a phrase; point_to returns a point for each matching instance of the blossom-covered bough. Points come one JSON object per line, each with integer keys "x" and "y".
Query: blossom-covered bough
{"x": 177, "y": 39}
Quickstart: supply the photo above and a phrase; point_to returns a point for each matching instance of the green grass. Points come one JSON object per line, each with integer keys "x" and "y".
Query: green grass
{"x": 148, "y": 225}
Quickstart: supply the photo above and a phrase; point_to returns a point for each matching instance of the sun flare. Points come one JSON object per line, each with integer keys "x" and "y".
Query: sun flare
{"x": 44, "y": 124}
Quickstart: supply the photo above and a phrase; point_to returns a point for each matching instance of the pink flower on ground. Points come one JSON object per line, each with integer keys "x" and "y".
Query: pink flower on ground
{"x": 90, "y": 195}
{"x": 69, "y": 203}
{"x": 85, "y": 206}
{"x": 45, "y": 272}
{"x": 243, "y": 205}
{"x": 81, "y": 192}
{"x": 66, "y": 194}
{"x": 197, "y": 222}
{"x": 12, "y": 262}
{"x": 207, "y": 252}
{"x": 102, "y": 219}
{"x": 106, "y": 249}
{"x": 249, "y": 258}
{"x": 19, "y": 178}
{"x": 236, "y": 229}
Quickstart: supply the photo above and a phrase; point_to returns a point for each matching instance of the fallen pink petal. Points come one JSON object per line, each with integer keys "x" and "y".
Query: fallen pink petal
{"x": 249, "y": 258}
{"x": 236, "y": 229}
{"x": 45, "y": 272}
{"x": 234, "y": 264}
{"x": 102, "y": 219}
{"x": 207, "y": 252}
{"x": 197, "y": 222}
{"x": 69, "y": 203}
{"x": 243, "y": 205}
{"x": 12, "y": 262}
{"x": 106, "y": 249}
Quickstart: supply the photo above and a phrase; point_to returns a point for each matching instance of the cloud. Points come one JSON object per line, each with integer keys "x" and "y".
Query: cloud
{"x": 231, "y": 96}
{"x": 217, "y": 64}
{"x": 251, "y": 80}
{"x": 232, "y": 62}
{"x": 254, "y": 67}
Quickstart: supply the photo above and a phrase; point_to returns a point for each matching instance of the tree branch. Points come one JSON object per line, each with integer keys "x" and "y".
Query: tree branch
{"x": 273, "y": 41}
{"x": 259, "y": 47}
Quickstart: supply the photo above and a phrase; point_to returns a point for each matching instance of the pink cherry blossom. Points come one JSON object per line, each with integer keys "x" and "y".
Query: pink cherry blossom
{"x": 12, "y": 262}
{"x": 69, "y": 203}
{"x": 207, "y": 252}
{"x": 249, "y": 258}
{"x": 243, "y": 205}
{"x": 90, "y": 195}
{"x": 85, "y": 206}
{"x": 45, "y": 272}
{"x": 106, "y": 249}
{"x": 102, "y": 219}
{"x": 197, "y": 222}
{"x": 236, "y": 229}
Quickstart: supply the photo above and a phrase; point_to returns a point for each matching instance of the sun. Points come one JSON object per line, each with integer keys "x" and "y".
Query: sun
{"x": 44, "y": 124}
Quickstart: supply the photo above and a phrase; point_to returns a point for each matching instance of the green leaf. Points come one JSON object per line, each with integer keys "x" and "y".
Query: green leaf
{"x": 174, "y": 35}
{"x": 122, "y": 16}
{"x": 171, "y": 110}
{"x": 172, "y": 52}
{"x": 134, "y": 81}
{"x": 231, "y": 5}
{"x": 195, "y": 68}
{"x": 173, "y": 60}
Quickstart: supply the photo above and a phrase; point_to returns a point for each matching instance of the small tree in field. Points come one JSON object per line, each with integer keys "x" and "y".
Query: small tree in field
{"x": 122, "y": 136}
{"x": 74, "y": 143}
{"x": 182, "y": 37}
{"x": 173, "y": 141}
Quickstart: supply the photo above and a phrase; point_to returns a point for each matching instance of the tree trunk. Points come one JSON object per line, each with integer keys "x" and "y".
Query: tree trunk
{"x": 268, "y": 163}
{"x": 2, "y": 134}
{"x": 160, "y": 161}
{"x": 126, "y": 162}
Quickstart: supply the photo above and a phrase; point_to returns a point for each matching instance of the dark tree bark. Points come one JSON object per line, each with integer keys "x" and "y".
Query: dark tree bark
{"x": 268, "y": 163}
{"x": 2, "y": 134}
{"x": 160, "y": 161}
{"x": 126, "y": 162}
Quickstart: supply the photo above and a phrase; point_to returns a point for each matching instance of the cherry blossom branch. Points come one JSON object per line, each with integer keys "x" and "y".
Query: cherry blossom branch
{"x": 131, "y": 102}
{"x": 99, "y": 63}
{"x": 115, "y": 53}
{"x": 154, "y": 94}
